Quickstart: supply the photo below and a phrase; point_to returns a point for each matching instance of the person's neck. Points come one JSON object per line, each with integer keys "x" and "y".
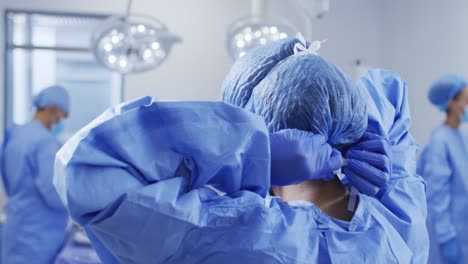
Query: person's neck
{"x": 42, "y": 118}
{"x": 330, "y": 196}
{"x": 452, "y": 121}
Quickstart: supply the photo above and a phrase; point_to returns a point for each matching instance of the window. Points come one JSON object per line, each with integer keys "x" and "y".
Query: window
{"x": 44, "y": 49}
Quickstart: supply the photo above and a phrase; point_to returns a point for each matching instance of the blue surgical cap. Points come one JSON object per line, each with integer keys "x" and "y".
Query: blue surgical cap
{"x": 301, "y": 91}
{"x": 445, "y": 89}
{"x": 53, "y": 95}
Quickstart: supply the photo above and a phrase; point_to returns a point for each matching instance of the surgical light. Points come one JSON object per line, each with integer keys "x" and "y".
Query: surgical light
{"x": 251, "y": 32}
{"x": 132, "y": 43}
{"x": 256, "y": 30}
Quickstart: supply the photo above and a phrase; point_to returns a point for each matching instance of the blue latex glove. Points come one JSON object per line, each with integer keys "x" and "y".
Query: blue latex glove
{"x": 298, "y": 156}
{"x": 450, "y": 251}
{"x": 369, "y": 163}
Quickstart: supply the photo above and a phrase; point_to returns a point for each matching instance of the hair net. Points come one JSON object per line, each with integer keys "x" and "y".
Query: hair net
{"x": 300, "y": 91}
{"x": 443, "y": 90}
{"x": 53, "y": 95}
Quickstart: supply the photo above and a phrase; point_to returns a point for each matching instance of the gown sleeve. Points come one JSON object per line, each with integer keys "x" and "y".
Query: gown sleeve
{"x": 152, "y": 160}
{"x": 405, "y": 194}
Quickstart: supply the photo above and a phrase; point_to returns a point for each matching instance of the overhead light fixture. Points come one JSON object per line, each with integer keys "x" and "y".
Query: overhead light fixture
{"x": 132, "y": 43}
{"x": 256, "y": 30}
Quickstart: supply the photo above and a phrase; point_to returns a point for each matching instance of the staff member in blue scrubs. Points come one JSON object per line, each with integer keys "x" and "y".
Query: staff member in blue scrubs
{"x": 36, "y": 220}
{"x": 443, "y": 164}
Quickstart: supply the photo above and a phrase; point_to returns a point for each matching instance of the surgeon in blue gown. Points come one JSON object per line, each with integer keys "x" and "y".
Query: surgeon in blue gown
{"x": 240, "y": 180}
{"x": 36, "y": 219}
{"x": 444, "y": 166}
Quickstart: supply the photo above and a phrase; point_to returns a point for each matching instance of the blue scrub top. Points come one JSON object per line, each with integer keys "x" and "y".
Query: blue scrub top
{"x": 444, "y": 166}
{"x": 35, "y": 217}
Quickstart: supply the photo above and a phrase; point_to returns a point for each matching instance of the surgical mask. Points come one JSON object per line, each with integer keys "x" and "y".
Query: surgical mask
{"x": 464, "y": 117}
{"x": 57, "y": 129}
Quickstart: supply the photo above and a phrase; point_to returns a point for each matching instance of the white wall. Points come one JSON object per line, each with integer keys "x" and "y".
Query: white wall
{"x": 350, "y": 28}
{"x": 421, "y": 40}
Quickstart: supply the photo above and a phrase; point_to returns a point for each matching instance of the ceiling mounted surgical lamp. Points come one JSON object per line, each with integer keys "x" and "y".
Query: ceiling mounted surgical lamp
{"x": 256, "y": 30}
{"x": 259, "y": 29}
{"x": 132, "y": 43}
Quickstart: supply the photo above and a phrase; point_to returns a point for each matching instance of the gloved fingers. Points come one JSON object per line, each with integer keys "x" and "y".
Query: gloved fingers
{"x": 298, "y": 155}
{"x": 379, "y": 161}
{"x": 369, "y": 136}
{"x": 380, "y": 146}
{"x": 361, "y": 184}
{"x": 335, "y": 161}
{"x": 291, "y": 141}
{"x": 321, "y": 164}
{"x": 292, "y": 166}
{"x": 368, "y": 172}
{"x": 281, "y": 145}
{"x": 297, "y": 135}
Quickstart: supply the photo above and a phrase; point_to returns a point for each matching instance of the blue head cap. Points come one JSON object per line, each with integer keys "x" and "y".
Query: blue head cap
{"x": 445, "y": 89}
{"x": 53, "y": 95}
{"x": 297, "y": 91}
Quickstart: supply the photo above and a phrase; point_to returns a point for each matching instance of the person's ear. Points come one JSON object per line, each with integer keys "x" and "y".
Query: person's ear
{"x": 456, "y": 107}
{"x": 452, "y": 106}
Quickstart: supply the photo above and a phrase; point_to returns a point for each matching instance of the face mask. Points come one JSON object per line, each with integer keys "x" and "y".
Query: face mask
{"x": 57, "y": 129}
{"x": 464, "y": 117}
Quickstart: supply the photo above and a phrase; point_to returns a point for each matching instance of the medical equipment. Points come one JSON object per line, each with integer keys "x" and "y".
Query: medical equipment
{"x": 260, "y": 27}
{"x": 132, "y": 43}
{"x": 255, "y": 30}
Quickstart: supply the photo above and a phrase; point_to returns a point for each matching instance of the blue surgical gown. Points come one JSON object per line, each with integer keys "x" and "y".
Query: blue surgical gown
{"x": 36, "y": 219}
{"x": 444, "y": 165}
{"x": 187, "y": 182}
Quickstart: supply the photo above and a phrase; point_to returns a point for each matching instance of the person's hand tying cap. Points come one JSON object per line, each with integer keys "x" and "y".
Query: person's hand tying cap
{"x": 298, "y": 156}
{"x": 369, "y": 163}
